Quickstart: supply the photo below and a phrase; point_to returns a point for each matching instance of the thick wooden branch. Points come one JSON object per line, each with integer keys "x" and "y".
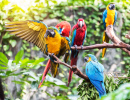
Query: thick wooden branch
{"x": 99, "y": 46}
{"x": 73, "y": 68}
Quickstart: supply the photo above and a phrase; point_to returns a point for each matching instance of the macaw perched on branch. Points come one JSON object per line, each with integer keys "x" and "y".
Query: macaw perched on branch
{"x": 64, "y": 29}
{"x": 94, "y": 71}
{"x": 48, "y": 39}
{"x": 109, "y": 18}
{"x": 78, "y": 36}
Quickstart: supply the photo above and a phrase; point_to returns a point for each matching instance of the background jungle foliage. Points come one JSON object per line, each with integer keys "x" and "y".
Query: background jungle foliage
{"x": 22, "y": 66}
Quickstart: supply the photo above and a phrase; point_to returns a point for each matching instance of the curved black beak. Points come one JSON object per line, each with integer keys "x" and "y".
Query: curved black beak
{"x": 50, "y": 33}
{"x": 86, "y": 59}
{"x": 112, "y": 6}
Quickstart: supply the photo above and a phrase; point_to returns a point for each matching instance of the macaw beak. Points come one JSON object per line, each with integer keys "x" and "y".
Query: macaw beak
{"x": 62, "y": 30}
{"x": 86, "y": 59}
{"x": 51, "y": 33}
{"x": 80, "y": 24}
{"x": 112, "y": 6}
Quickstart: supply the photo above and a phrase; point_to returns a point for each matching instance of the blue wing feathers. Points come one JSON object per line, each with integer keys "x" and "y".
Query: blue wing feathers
{"x": 40, "y": 22}
{"x": 104, "y": 17}
{"x": 115, "y": 17}
{"x": 73, "y": 38}
{"x": 99, "y": 85}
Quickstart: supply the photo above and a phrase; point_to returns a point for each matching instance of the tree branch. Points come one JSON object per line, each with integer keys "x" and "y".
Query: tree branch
{"x": 73, "y": 68}
{"x": 117, "y": 42}
{"x": 99, "y": 46}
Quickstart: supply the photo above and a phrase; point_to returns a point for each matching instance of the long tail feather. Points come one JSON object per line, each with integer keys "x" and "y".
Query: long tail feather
{"x": 100, "y": 87}
{"x": 105, "y": 39}
{"x": 70, "y": 77}
{"x": 45, "y": 72}
{"x": 73, "y": 62}
{"x": 54, "y": 69}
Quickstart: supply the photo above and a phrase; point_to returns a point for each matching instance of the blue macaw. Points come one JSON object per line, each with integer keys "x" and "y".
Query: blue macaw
{"x": 94, "y": 71}
{"x": 109, "y": 18}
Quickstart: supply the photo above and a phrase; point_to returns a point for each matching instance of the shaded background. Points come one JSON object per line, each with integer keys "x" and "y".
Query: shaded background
{"x": 21, "y": 80}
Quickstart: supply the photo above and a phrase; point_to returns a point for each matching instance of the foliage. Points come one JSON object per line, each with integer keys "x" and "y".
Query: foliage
{"x": 122, "y": 93}
{"x": 27, "y": 65}
{"x": 88, "y": 92}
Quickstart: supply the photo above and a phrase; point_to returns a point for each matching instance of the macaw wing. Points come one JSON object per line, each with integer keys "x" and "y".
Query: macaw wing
{"x": 115, "y": 17}
{"x": 93, "y": 71}
{"x": 73, "y": 34}
{"x": 65, "y": 48}
{"x": 104, "y": 17}
{"x": 31, "y": 31}
{"x": 84, "y": 37}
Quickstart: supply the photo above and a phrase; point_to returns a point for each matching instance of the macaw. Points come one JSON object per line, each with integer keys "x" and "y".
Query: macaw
{"x": 64, "y": 29}
{"x": 78, "y": 36}
{"x": 48, "y": 39}
{"x": 109, "y": 18}
{"x": 94, "y": 71}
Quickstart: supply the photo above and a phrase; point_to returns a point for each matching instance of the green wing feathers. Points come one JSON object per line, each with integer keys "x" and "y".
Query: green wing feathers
{"x": 31, "y": 31}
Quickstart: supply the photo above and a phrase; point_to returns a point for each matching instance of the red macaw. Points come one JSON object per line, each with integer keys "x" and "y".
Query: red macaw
{"x": 78, "y": 36}
{"x": 64, "y": 29}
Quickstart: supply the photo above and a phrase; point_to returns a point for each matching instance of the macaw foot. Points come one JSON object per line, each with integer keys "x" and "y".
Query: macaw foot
{"x": 75, "y": 47}
{"x": 68, "y": 51}
{"x": 110, "y": 26}
{"x": 52, "y": 54}
{"x": 81, "y": 47}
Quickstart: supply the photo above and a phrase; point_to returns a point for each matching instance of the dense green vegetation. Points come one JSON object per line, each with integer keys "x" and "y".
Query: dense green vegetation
{"x": 24, "y": 66}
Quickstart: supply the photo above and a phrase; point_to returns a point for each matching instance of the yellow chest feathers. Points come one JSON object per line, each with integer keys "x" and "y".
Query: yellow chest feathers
{"x": 110, "y": 17}
{"x": 54, "y": 43}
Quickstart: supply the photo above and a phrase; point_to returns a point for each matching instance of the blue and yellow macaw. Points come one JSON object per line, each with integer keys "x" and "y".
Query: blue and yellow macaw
{"x": 94, "y": 71}
{"x": 48, "y": 39}
{"x": 109, "y": 18}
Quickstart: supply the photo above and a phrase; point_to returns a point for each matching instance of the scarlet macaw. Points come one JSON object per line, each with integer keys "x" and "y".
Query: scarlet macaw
{"x": 94, "y": 71}
{"x": 78, "y": 36}
{"x": 109, "y": 18}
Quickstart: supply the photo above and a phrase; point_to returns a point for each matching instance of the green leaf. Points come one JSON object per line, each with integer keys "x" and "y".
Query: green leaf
{"x": 18, "y": 82}
{"x": 4, "y": 68}
{"x": 3, "y": 58}
{"x": 18, "y": 56}
{"x": 12, "y": 42}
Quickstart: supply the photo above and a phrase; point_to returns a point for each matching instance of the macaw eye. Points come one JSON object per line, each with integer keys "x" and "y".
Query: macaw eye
{"x": 86, "y": 59}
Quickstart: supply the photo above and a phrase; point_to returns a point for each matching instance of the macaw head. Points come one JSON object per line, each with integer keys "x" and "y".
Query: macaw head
{"x": 111, "y": 6}
{"x": 80, "y": 22}
{"x": 64, "y": 28}
{"x": 51, "y": 31}
{"x": 90, "y": 57}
